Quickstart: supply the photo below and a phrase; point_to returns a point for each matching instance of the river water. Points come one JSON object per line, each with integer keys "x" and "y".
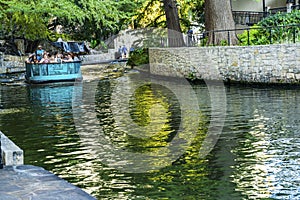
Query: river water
{"x": 114, "y": 138}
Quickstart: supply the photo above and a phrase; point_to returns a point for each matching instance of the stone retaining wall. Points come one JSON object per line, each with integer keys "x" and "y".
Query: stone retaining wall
{"x": 250, "y": 64}
{"x": 99, "y": 58}
{"x": 9, "y": 64}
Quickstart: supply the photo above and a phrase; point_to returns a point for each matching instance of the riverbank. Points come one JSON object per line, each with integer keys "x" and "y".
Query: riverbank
{"x": 265, "y": 64}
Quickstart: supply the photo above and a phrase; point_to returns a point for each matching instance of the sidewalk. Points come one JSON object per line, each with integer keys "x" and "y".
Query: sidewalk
{"x": 27, "y": 182}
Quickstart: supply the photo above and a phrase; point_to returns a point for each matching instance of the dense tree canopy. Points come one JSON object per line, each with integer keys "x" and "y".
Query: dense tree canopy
{"x": 71, "y": 19}
{"x": 96, "y": 20}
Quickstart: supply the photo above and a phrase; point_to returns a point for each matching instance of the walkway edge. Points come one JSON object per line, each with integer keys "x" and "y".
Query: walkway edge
{"x": 11, "y": 154}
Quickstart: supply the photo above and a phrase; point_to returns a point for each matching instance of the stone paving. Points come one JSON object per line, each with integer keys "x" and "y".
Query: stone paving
{"x": 27, "y": 182}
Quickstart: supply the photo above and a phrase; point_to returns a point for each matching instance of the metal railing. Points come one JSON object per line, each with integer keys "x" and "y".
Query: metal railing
{"x": 282, "y": 9}
{"x": 275, "y": 35}
{"x": 276, "y": 10}
{"x": 250, "y": 17}
{"x": 247, "y": 17}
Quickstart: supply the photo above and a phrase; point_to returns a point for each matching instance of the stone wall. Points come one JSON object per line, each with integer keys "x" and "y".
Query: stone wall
{"x": 251, "y": 64}
{"x": 98, "y": 58}
{"x": 9, "y": 64}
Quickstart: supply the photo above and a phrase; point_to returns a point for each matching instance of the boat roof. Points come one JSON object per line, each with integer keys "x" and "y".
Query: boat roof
{"x": 74, "y": 47}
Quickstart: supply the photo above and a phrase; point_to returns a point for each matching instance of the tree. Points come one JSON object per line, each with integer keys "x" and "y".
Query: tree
{"x": 104, "y": 18}
{"x": 174, "y": 30}
{"x": 178, "y": 16}
{"x": 218, "y": 16}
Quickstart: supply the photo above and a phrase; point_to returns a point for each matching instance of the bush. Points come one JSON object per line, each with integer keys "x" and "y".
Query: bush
{"x": 278, "y": 28}
{"x": 138, "y": 57}
{"x": 255, "y": 37}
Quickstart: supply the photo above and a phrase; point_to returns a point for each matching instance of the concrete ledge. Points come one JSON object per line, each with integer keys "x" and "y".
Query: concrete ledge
{"x": 98, "y": 58}
{"x": 11, "y": 153}
{"x": 35, "y": 183}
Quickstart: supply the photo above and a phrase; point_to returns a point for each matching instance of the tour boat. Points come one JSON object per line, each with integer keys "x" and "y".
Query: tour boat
{"x": 53, "y": 72}
{"x": 59, "y": 71}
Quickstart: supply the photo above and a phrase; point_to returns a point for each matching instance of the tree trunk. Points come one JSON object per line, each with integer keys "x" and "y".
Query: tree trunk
{"x": 174, "y": 31}
{"x": 218, "y": 16}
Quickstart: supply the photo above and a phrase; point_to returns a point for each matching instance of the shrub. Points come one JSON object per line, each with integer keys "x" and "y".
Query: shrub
{"x": 138, "y": 57}
{"x": 278, "y": 28}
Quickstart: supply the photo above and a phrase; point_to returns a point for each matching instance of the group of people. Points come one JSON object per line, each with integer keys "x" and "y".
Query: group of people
{"x": 42, "y": 56}
{"x": 123, "y": 52}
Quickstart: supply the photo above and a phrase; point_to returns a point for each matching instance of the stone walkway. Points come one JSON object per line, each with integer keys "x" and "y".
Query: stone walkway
{"x": 27, "y": 182}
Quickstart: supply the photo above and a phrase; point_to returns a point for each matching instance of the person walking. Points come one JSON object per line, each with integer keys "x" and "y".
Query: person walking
{"x": 124, "y": 51}
{"x": 119, "y": 53}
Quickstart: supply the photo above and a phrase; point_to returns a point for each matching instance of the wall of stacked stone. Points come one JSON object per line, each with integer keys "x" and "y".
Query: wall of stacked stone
{"x": 250, "y": 64}
{"x": 9, "y": 63}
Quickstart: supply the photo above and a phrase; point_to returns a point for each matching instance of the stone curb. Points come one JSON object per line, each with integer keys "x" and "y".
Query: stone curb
{"x": 12, "y": 155}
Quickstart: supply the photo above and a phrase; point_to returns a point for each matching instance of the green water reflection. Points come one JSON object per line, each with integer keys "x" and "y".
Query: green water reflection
{"x": 256, "y": 157}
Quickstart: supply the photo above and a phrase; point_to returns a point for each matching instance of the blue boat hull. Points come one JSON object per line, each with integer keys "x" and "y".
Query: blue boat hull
{"x": 53, "y": 72}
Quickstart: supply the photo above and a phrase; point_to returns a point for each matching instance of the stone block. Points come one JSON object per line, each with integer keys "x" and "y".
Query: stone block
{"x": 290, "y": 75}
{"x": 11, "y": 153}
{"x": 297, "y": 76}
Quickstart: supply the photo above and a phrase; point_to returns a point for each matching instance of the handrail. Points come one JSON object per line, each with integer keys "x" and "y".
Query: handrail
{"x": 270, "y": 29}
{"x": 248, "y": 17}
{"x": 78, "y": 61}
{"x": 278, "y": 9}
{"x": 42, "y": 69}
{"x": 252, "y": 17}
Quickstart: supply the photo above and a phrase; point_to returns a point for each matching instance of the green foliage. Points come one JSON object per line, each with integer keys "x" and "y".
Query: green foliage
{"x": 223, "y": 43}
{"x": 93, "y": 43}
{"x": 278, "y": 28}
{"x": 30, "y": 20}
{"x": 138, "y": 57}
{"x": 152, "y": 13}
{"x": 76, "y": 19}
{"x": 254, "y": 35}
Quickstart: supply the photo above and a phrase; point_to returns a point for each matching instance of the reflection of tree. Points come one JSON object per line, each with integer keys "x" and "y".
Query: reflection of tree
{"x": 151, "y": 109}
{"x": 187, "y": 178}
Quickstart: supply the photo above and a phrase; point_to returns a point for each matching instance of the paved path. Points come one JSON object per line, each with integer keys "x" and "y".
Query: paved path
{"x": 27, "y": 182}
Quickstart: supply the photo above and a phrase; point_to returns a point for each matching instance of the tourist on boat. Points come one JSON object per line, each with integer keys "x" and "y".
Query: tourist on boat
{"x": 32, "y": 59}
{"x": 45, "y": 58}
{"x": 39, "y": 53}
{"x": 58, "y": 57}
{"x": 52, "y": 58}
{"x": 67, "y": 58}
{"x": 75, "y": 57}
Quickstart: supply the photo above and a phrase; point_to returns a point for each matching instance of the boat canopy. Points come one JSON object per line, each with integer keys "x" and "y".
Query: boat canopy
{"x": 74, "y": 47}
